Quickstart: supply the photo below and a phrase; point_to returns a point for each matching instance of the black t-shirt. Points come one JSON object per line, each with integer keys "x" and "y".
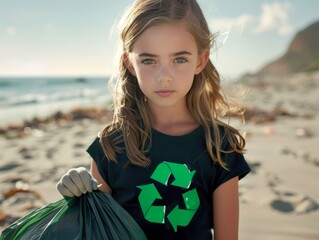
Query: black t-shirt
{"x": 172, "y": 198}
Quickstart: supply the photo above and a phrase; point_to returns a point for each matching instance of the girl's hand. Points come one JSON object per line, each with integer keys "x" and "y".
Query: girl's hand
{"x": 75, "y": 182}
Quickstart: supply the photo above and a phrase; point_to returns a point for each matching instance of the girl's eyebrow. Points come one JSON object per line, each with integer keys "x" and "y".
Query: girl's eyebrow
{"x": 145, "y": 54}
{"x": 181, "y": 53}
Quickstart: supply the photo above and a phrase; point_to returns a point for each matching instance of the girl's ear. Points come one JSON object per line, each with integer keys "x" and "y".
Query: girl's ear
{"x": 202, "y": 61}
{"x": 128, "y": 63}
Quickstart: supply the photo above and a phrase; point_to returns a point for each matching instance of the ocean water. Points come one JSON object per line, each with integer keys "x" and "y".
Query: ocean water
{"x": 23, "y": 98}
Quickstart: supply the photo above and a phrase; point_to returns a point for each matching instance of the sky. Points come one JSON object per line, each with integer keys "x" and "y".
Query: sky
{"x": 78, "y": 37}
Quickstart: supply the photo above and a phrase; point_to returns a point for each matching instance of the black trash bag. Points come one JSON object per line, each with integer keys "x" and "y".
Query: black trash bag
{"x": 94, "y": 215}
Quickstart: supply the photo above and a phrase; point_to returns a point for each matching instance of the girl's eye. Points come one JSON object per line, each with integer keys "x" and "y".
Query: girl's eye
{"x": 148, "y": 61}
{"x": 180, "y": 60}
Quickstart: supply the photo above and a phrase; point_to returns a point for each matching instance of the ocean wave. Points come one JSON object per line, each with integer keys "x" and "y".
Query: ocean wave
{"x": 30, "y": 91}
{"x": 13, "y": 82}
{"x": 6, "y": 83}
{"x": 66, "y": 81}
{"x": 36, "y": 98}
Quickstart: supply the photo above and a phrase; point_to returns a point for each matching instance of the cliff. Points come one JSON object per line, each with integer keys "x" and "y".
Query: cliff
{"x": 302, "y": 55}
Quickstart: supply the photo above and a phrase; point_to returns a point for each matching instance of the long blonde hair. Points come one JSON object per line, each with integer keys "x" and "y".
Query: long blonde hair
{"x": 130, "y": 130}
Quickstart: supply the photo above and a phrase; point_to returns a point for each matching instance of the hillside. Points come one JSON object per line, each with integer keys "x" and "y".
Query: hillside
{"x": 302, "y": 54}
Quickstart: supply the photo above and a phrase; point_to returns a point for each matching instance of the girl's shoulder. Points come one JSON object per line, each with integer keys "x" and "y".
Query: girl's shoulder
{"x": 222, "y": 130}
{"x": 229, "y": 137}
{"x": 110, "y": 132}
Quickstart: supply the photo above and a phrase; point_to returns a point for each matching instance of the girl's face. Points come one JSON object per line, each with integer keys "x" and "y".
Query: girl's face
{"x": 165, "y": 59}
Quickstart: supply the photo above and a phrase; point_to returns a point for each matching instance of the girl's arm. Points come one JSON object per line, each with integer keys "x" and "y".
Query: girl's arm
{"x": 95, "y": 173}
{"x": 226, "y": 210}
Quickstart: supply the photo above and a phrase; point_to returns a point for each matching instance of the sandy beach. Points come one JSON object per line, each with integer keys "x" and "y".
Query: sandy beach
{"x": 279, "y": 199}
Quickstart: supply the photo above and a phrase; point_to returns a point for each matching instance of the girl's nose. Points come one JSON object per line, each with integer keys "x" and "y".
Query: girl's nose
{"x": 164, "y": 74}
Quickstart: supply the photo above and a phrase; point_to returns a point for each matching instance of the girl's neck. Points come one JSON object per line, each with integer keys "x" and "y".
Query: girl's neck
{"x": 172, "y": 121}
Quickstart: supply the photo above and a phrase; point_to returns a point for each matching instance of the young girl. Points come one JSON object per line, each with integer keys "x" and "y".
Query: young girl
{"x": 166, "y": 157}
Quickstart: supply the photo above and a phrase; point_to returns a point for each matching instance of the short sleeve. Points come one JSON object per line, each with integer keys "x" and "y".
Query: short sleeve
{"x": 96, "y": 152}
{"x": 236, "y": 165}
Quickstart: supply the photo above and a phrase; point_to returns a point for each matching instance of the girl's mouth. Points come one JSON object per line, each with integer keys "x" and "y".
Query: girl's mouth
{"x": 164, "y": 93}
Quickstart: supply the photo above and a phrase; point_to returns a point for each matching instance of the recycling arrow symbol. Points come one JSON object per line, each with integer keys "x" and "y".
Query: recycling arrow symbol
{"x": 183, "y": 178}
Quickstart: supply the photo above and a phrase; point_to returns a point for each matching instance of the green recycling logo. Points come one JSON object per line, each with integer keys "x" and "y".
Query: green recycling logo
{"x": 183, "y": 178}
